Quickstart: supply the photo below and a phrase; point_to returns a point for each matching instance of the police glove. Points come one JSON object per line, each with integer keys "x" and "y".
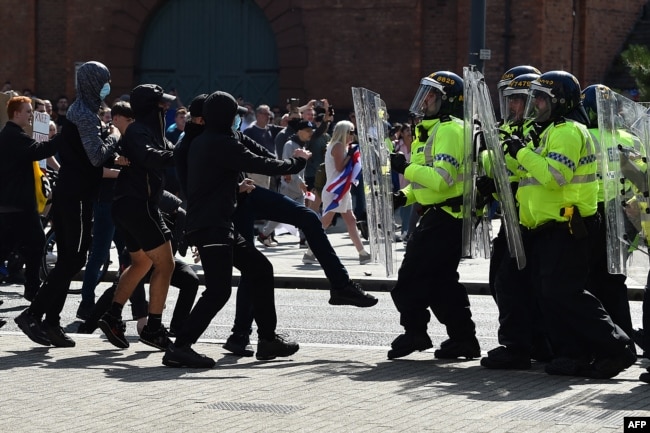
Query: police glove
{"x": 485, "y": 186}
{"x": 398, "y": 162}
{"x": 399, "y": 199}
{"x": 513, "y": 145}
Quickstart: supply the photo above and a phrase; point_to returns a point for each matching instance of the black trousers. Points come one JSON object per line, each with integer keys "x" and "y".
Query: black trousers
{"x": 521, "y": 326}
{"x": 72, "y": 219}
{"x": 610, "y": 289}
{"x": 576, "y": 322}
{"x": 220, "y": 249}
{"x": 428, "y": 278}
{"x": 22, "y": 232}
{"x": 262, "y": 203}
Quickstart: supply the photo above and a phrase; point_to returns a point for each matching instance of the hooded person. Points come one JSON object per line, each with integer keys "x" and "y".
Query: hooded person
{"x": 138, "y": 219}
{"x": 215, "y": 161}
{"x": 192, "y": 130}
{"x": 85, "y": 147}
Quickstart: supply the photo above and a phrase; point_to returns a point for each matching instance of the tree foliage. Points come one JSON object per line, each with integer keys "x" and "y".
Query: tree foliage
{"x": 637, "y": 58}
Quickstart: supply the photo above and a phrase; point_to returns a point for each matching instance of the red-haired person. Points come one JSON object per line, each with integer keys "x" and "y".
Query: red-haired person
{"x": 20, "y": 223}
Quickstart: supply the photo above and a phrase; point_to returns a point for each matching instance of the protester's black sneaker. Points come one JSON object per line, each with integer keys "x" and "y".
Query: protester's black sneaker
{"x": 565, "y": 366}
{"x": 30, "y": 293}
{"x": 113, "y": 328}
{"x": 453, "y": 349}
{"x": 278, "y": 346}
{"x": 504, "y": 358}
{"x": 185, "y": 356}
{"x": 645, "y": 377}
{"x": 32, "y": 327}
{"x": 57, "y": 337}
{"x": 86, "y": 328}
{"x": 606, "y": 368}
{"x": 85, "y": 309}
{"x": 158, "y": 338}
{"x": 408, "y": 343}
{"x": 239, "y": 344}
{"x": 352, "y": 294}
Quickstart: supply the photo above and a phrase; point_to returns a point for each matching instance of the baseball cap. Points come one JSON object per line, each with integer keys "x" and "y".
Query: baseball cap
{"x": 304, "y": 124}
{"x": 196, "y": 106}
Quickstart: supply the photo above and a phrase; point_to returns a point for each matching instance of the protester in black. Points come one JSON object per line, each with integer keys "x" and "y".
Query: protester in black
{"x": 20, "y": 225}
{"x": 83, "y": 152}
{"x": 216, "y": 159}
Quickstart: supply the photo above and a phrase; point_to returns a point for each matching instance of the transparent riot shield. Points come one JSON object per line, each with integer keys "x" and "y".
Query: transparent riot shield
{"x": 489, "y": 127}
{"x": 370, "y": 112}
{"x": 623, "y": 129}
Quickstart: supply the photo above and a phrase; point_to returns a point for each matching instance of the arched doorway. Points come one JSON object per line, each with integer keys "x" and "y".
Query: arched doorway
{"x": 199, "y": 46}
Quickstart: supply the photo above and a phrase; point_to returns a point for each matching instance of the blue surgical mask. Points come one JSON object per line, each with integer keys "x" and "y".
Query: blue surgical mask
{"x": 106, "y": 89}
{"x": 236, "y": 123}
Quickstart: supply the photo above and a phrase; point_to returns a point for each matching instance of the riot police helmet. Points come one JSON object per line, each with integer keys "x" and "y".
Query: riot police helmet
{"x": 552, "y": 96}
{"x": 448, "y": 87}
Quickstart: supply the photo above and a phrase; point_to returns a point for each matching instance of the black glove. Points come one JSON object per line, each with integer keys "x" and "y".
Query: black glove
{"x": 351, "y": 150}
{"x": 399, "y": 199}
{"x": 398, "y": 162}
{"x": 513, "y": 145}
{"x": 485, "y": 186}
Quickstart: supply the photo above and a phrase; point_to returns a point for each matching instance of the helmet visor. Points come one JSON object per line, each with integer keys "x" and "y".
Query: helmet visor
{"x": 514, "y": 108}
{"x": 538, "y": 106}
{"x": 423, "y": 96}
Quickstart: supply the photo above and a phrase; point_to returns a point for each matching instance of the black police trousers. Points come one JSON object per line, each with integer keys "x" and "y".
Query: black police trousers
{"x": 428, "y": 278}
{"x": 576, "y": 322}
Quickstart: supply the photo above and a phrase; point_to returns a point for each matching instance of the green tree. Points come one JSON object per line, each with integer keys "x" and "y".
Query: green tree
{"x": 637, "y": 58}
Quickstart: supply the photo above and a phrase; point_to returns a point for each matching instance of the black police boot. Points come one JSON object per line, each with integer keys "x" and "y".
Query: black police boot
{"x": 408, "y": 343}
{"x": 453, "y": 349}
{"x": 504, "y": 358}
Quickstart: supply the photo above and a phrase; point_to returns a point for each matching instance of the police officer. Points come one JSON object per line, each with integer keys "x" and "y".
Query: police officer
{"x": 610, "y": 289}
{"x": 428, "y": 277}
{"x": 521, "y": 333}
{"x": 557, "y": 209}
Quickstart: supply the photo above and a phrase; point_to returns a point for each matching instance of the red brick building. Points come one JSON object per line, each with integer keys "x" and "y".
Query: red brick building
{"x": 321, "y": 48}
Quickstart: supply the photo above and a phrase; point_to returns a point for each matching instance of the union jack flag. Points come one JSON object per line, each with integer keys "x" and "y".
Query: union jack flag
{"x": 340, "y": 185}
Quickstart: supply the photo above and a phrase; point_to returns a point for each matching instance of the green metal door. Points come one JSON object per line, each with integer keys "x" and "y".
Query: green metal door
{"x": 199, "y": 46}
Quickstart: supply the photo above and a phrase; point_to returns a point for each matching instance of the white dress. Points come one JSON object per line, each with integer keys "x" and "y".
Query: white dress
{"x": 330, "y": 171}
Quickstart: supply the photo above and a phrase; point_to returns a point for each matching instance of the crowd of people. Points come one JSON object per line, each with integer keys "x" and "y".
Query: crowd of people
{"x": 156, "y": 178}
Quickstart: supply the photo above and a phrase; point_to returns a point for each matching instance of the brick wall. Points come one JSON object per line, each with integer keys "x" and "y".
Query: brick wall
{"x": 324, "y": 48}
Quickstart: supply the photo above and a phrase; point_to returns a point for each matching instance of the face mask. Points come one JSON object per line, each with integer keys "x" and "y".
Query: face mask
{"x": 236, "y": 123}
{"x": 106, "y": 89}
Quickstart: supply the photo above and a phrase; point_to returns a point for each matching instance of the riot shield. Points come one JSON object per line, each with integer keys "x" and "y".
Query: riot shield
{"x": 370, "y": 112}
{"x": 489, "y": 127}
{"x": 623, "y": 129}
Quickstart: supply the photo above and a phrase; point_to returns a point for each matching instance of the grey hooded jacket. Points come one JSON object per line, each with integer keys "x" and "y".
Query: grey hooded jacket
{"x": 84, "y": 151}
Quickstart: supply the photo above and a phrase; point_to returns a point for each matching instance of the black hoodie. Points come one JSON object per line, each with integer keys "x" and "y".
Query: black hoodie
{"x": 147, "y": 149}
{"x": 215, "y": 160}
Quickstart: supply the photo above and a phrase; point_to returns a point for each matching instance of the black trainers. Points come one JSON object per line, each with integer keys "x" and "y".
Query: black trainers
{"x": 278, "y": 346}
{"x": 185, "y": 357}
{"x": 239, "y": 344}
{"x": 565, "y": 366}
{"x": 645, "y": 377}
{"x": 606, "y": 368}
{"x": 85, "y": 310}
{"x": 57, "y": 336}
{"x": 158, "y": 338}
{"x": 453, "y": 349}
{"x": 86, "y": 328}
{"x": 113, "y": 328}
{"x": 504, "y": 358}
{"x": 408, "y": 343}
{"x": 352, "y": 294}
{"x": 32, "y": 327}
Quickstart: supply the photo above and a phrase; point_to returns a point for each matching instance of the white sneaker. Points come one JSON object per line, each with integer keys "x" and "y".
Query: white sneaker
{"x": 364, "y": 258}
{"x": 309, "y": 258}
